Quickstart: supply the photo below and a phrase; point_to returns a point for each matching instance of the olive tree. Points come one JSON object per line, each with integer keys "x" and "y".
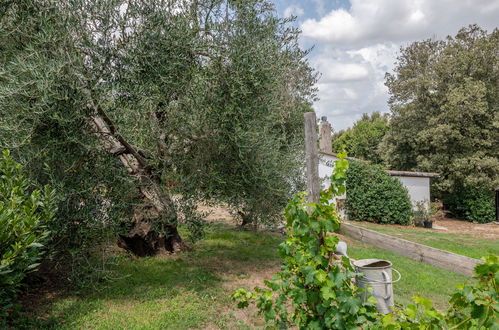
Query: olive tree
{"x": 121, "y": 104}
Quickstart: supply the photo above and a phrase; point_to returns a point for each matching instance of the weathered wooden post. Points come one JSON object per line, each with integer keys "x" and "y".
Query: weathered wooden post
{"x": 312, "y": 157}
{"x": 497, "y": 204}
{"x": 325, "y": 143}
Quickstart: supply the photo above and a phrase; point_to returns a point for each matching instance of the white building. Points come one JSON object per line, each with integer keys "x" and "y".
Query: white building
{"x": 416, "y": 183}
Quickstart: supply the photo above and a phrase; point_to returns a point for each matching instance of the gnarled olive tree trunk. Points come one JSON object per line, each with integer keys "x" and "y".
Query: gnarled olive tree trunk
{"x": 143, "y": 239}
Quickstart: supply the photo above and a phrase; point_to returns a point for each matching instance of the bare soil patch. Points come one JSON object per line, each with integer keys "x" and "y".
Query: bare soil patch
{"x": 217, "y": 214}
{"x": 248, "y": 280}
{"x": 480, "y": 230}
{"x": 454, "y": 226}
{"x": 45, "y": 287}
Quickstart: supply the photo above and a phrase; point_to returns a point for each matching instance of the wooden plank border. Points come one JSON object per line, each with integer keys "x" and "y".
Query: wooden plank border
{"x": 422, "y": 253}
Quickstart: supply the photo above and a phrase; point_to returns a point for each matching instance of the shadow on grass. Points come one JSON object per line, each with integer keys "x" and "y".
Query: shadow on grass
{"x": 185, "y": 281}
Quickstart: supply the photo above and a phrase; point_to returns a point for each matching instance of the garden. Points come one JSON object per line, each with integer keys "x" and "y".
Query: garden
{"x": 192, "y": 289}
{"x": 152, "y": 173}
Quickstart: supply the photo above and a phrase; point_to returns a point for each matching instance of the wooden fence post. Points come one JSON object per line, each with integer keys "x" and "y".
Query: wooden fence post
{"x": 325, "y": 143}
{"x": 497, "y": 204}
{"x": 312, "y": 157}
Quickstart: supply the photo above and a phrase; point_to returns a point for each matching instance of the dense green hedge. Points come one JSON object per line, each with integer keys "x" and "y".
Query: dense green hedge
{"x": 24, "y": 214}
{"x": 375, "y": 196}
{"x": 472, "y": 204}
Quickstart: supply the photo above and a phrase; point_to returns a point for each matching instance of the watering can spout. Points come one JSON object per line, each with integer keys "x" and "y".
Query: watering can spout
{"x": 341, "y": 249}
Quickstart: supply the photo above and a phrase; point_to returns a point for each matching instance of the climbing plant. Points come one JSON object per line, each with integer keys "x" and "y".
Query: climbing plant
{"x": 471, "y": 306}
{"x": 318, "y": 287}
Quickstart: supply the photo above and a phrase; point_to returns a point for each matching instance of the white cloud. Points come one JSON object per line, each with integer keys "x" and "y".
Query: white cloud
{"x": 338, "y": 25}
{"x": 356, "y": 47}
{"x": 293, "y": 10}
{"x": 379, "y": 55}
{"x": 336, "y": 71}
{"x": 373, "y": 21}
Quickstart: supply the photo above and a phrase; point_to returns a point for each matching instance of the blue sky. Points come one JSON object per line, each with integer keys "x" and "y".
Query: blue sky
{"x": 356, "y": 42}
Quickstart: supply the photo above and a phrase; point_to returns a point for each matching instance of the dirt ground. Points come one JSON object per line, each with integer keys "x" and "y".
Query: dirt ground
{"x": 217, "y": 213}
{"x": 450, "y": 225}
{"x": 486, "y": 230}
{"x": 252, "y": 279}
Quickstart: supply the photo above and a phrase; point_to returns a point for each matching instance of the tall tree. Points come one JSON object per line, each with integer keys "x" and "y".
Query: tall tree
{"x": 445, "y": 109}
{"x": 193, "y": 92}
{"x": 362, "y": 140}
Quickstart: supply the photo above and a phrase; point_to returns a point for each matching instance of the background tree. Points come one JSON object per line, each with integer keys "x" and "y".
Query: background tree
{"x": 445, "y": 110}
{"x": 362, "y": 140}
{"x": 192, "y": 92}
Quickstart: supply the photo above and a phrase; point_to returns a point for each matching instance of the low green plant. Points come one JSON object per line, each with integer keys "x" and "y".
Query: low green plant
{"x": 477, "y": 306}
{"x": 473, "y": 204}
{"x": 421, "y": 214}
{"x": 471, "y": 307}
{"x": 24, "y": 214}
{"x": 375, "y": 196}
{"x": 313, "y": 290}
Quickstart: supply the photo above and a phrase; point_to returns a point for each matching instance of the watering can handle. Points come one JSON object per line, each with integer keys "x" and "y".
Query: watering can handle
{"x": 400, "y": 276}
{"x": 387, "y": 281}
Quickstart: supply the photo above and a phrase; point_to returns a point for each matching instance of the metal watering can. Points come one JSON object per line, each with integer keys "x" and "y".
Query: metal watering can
{"x": 378, "y": 276}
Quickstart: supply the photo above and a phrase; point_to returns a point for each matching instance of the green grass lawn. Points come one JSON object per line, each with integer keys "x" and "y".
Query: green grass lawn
{"x": 191, "y": 290}
{"x": 187, "y": 290}
{"x": 463, "y": 244}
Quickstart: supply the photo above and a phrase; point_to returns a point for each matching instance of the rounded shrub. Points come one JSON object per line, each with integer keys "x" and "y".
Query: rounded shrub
{"x": 374, "y": 196}
{"x": 472, "y": 204}
{"x": 24, "y": 214}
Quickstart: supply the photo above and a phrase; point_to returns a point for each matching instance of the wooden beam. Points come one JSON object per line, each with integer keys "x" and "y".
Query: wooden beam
{"x": 443, "y": 259}
{"x": 312, "y": 157}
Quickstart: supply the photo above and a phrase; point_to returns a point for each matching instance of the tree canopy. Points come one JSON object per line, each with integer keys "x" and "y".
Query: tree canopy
{"x": 199, "y": 98}
{"x": 445, "y": 110}
{"x": 363, "y": 138}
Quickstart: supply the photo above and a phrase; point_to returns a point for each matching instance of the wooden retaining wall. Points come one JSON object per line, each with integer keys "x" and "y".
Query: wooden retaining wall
{"x": 429, "y": 255}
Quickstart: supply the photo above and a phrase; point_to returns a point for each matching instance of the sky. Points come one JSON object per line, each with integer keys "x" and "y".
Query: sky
{"x": 357, "y": 41}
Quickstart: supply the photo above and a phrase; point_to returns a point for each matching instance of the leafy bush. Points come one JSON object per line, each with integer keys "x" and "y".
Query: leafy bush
{"x": 375, "y": 196}
{"x": 23, "y": 218}
{"x": 472, "y": 204}
{"x": 471, "y": 306}
{"x": 422, "y": 215}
